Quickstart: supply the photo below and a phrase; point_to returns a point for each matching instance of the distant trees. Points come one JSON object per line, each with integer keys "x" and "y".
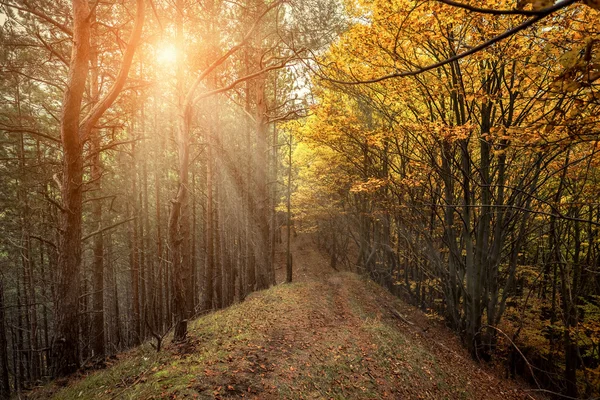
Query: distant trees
{"x": 179, "y": 220}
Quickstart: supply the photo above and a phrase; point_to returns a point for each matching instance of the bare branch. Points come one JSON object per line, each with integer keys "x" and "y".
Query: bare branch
{"x": 290, "y": 116}
{"x": 492, "y": 11}
{"x": 88, "y": 123}
{"x": 41, "y": 239}
{"x": 51, "y": 49}
{"x": 240, "y": 80}
{"x": 189, "y": 98}
{"x": 32, "y": 10}
{"x": 17, "y": 129}
{"x": 106, "y": 229}
{"x": 516, "y": 348}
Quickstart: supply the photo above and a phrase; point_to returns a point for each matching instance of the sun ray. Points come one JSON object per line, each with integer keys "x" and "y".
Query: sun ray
{"x": 166, "y": 53}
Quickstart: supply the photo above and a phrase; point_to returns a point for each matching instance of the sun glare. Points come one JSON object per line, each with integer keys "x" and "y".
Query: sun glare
{"x": 166, "y": 54}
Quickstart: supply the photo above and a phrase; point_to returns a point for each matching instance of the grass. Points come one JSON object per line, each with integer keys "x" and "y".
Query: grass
{"x": 329, "y": 339}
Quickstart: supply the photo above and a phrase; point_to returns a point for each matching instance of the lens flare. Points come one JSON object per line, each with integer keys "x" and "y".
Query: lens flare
{"x": 166, "y": 54}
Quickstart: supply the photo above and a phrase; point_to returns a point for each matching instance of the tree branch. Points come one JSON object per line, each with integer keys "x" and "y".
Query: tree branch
{"x": 83, "y": 239}
{"x": 291, "y": 115}
{"x": 240, "y": 80}
{"x": 526, "y": 24}
{"x": 62, "y": 27}
{"x": 189, "y": 98}
{"x": 51, "y": 49}
{"x": 491, "y": 11}
{"x": 17, "y": 129}
{"x": 90, "y": 120}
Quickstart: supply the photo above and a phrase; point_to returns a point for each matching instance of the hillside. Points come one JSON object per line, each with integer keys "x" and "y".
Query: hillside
{"x": 331, "y": 335}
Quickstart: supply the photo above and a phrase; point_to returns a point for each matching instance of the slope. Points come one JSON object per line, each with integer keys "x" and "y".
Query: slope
{"x": 331, "y": 335}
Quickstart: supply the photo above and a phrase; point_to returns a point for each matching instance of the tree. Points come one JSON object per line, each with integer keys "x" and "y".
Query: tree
{"x": 4, "y": 385}
{"x": 75, "y": 131}
{"x": 178, "y": 222}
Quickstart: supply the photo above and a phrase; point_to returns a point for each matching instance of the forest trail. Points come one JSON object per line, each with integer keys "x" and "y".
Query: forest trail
{"x": 330, "y": 335}
{"x": 308, "y": 262}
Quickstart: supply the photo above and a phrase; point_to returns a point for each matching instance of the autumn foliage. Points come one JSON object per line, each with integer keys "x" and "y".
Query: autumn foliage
{"x": 470, "y": 188}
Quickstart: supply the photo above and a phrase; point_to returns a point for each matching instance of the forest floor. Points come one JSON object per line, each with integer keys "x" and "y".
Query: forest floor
{"x": 329, "y": 335}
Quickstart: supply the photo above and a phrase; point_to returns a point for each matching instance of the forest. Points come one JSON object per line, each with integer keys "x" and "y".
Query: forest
{"x": 159, "y": 157}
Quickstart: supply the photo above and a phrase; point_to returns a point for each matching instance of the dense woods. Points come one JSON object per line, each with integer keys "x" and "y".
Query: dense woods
{"x": 139, "y": 169}
{"x": 471, "y": 188}
{"x": 153, "y": 153}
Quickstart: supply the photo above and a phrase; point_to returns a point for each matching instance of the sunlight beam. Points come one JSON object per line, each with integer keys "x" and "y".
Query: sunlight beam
{"x": 167, "y": 54}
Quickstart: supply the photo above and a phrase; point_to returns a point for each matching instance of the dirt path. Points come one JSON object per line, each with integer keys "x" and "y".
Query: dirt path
{"x": 329, "y": 335}
{"x": 356, "y": 327}
{"x": 334, "y": 336}
{"x": 308, "y": 263}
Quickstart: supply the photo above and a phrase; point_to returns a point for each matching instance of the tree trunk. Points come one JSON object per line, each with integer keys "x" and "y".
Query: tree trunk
{"x": 217, "y": 233}
{"x": 4, "y": 378}
{"x": 65, "y": 346}
{"x": 264, "y": 264}
{"x": 249, "y": 250}
{"x": 134, "y": 263}
{"x": 274, "y": 229}
{"x": 140, "y": 221}
{"x": 66, "y": 341}
{"x": 289, "y": 216}
{"x": 160, "y": 303}
{"x": 98, "y": 341}
{"x": 179, "y": 234}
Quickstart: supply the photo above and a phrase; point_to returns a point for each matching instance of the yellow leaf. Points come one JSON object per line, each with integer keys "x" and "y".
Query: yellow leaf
{"x": 572, "y": 86}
